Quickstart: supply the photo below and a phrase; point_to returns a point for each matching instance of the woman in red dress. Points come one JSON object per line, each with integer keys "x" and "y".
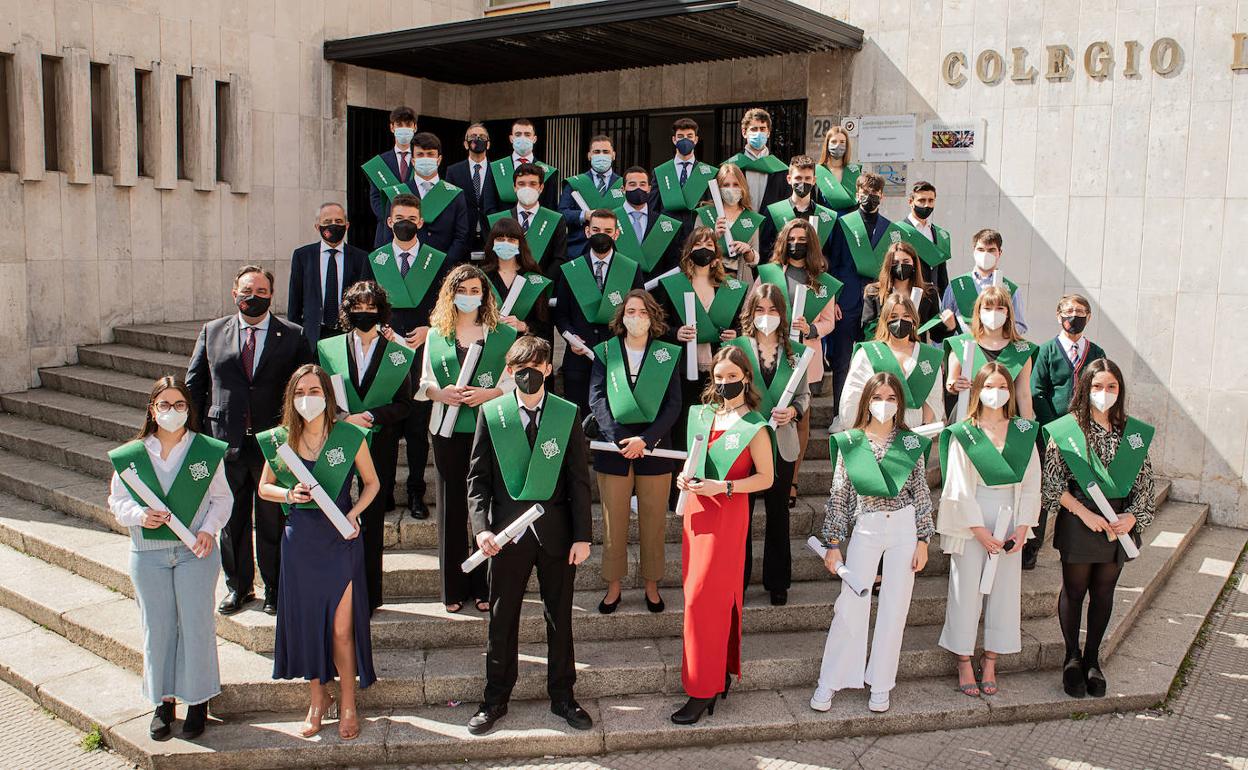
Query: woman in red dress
{"x": 736, "y": 461}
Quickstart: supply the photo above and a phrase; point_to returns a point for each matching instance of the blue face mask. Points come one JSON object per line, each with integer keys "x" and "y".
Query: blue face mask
{"x": 466, "y": 303}
{"x": 757, "y": 139}
{"x": 425, "y": 166}
{"x": 523, "y": 145}
{"x": 684, "y": 146}
{"x": 600, "y": 163}
{"x": 403, "y": 136}
{"x": 506, "y": 250}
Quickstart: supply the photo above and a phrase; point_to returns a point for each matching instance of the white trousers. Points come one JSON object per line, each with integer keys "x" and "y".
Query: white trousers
{"x": 1001, "y": 608}
{"x": 889, "y": 535}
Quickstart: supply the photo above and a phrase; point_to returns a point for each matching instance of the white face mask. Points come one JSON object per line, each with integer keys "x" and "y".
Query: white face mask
{"x": 994, "y": 398}
{"x": 766, "y": 323}
{"x": 309, "y": 407}
{"x": 636, "y": 325}
{"x": 992, "y": 319}
{"x": 527, "y": 196}
{"x": 171, "y": 420}
{"x": 883, "y": 410}
{"x": 1103, "y": 399}
{"x": 985, "y": 260}
{"x": 731, "y": 195}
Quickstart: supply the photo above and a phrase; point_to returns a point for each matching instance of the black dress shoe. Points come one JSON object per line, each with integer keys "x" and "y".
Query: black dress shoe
{"x": 417, "y": 507}
{"x": 196, "y": 717}
{"x": 1074, "y": 681}
{"x": 1029, "y": 557}
{"x": 234, "y": 601}
{"x": 1095, "y": 679}
{"x": 658, "y": 606}
{"x": 483, "y": 721}
{"x": 607, "y": 609}
{"x": 162, "y": 722}
{"x": 693, "y": 709}
{"x": 270, "y": 603}
{"x": 779, "y": 598}
{"x": 571, "y": 711}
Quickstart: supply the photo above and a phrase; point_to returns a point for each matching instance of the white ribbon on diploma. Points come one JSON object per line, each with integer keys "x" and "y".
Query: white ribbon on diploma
{"x": 149, "y": 498}
{"x": 319, "y": 495}
{"x": 968, "y": 361}
{"x": 671, "y": 454}
{"x": 699, "y": 443}
{"x": 451, "y": 411}
{"x": 799, "y": 310}
{"x": 916, "y": 296}
{"x": 576, "y": 341}
{"x": 580, "y": 201}
{"x": 340, "y": 393}
{"x": 929, "y": 430}
{"x": 1102, "y": 503}
{"x": 691, "y": 347}
{"x": 653, "y": 283}
{"x": 718, "y": 200}
{"x": 1005, "y": 516}
{"x": 511, "y": 532}
{"x": 790, "y": 388}
{"x": 513, "y": 294}
{"x": 847, "y": 578}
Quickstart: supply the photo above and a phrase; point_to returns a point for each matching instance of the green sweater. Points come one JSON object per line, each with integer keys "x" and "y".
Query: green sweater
{"x": 1053, "y": 381}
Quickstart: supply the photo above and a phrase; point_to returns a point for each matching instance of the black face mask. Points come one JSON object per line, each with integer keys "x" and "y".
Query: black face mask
{"x": 476, "y": 146}
{"x": 903, "y": 271}
{"x": 404, "y": 229}
{"x": 729, "y": 390}
{"x": 529, "y": 380}
{"x": 901, "y": 328}
{"x": 1074, "y": 324}
{"x": 923, "y": 212}
{"x": 600, "y": 243}
{"x": 869, "y": 203}
{"x": 333, "y": 233}
{"x": 801, "y": 189}
{"x": 796, "y": 251}
{"x": 636, "y": 196}
{"x": 684, "y": 146}
{"x": 364, "y": 320}
{"x": 702, "y": 257}
{"x": 252, "y": 306}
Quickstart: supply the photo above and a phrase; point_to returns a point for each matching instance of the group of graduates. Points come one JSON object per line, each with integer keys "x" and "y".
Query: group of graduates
{"x": 699, "y": 308}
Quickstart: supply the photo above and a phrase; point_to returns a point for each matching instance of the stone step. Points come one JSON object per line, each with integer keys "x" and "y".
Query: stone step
{"x": 100, "y": 385}
{"x": 116, "y": 422}
{"x": 149, "y": 364}
{"x": 175, "y": 337}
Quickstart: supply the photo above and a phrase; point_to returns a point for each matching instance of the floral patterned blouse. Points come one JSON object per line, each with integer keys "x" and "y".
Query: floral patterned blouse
{"x": 845, "y": 505}
{"x": 1141, "y": 501}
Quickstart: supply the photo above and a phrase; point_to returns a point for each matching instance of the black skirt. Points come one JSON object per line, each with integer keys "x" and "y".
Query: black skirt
{"x": 1079, "y": 545}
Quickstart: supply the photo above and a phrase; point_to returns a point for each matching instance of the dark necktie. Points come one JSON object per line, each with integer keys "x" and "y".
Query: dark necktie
{"x": 476, "y": 181}
{"x": 403, "y": 167}
{"x": 329, "y": 305}
{"x": 524, "y": 220}
{"x": 530, "y": 430}
{"x": 405, "y": 263}
{"x": 602, "y": 184}
{"x": 600, "y": 273}
{"x": 684, "y": 172}
{"x": 249, "y": 351}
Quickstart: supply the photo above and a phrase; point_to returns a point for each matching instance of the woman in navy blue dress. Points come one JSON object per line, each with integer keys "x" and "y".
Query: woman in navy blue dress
{"x": 322, "y": 608}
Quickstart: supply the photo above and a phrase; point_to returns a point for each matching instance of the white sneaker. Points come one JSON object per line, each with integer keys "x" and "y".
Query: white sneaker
{"x": 822, "y": 699}
{"x": 878, "y": 702}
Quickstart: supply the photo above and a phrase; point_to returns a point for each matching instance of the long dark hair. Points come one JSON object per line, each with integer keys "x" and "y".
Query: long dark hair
{"x": 815, "y": 262}
{"x": 508, "y": 228}
{"x": 1081, "y": 405}
{"x": 878, "y": 380}
{"x": 737, "y": 357}
{"x": 749, "y": 307}
{"x": 161, "y": 385}
{"x": 292, "y": 421}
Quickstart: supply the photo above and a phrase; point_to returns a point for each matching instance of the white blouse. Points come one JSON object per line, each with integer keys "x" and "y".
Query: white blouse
{"x": 959, "y": 510}
{"x": 214, "y": 509}
{"x": 860, "y": 370}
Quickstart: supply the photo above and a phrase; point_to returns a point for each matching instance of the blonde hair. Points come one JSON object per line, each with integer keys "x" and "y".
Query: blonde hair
{"x": 976, "y": 408}
{"x": 733, "y": 171}
{"x": 815, "y": 261}
{"x": 824, "y": 157}
{"x": 886, "y": 309}
{"x": 996, "y": 295}
{"x": 443, "y": 316}
{"x": 877, "y": 381}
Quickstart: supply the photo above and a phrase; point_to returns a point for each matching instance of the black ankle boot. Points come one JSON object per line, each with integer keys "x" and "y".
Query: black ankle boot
{"x": 196, "y": 717}
{"x": 162, "y": 722}
{"x": 693, "y": 709}
{"x": 1095, "y": 679}
{"x": 1073, "y": 678}
{"x": 727, "y": 684}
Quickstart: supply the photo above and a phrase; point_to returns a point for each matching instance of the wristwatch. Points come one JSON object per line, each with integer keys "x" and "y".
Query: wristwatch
{"x": 729, "y": 483}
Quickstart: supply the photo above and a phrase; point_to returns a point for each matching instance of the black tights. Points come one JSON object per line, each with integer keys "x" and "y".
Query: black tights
{"x": 1097, "y": 582}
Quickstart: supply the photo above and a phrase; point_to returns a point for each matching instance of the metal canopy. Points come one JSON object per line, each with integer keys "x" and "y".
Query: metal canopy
{"x": 594, "y": 37}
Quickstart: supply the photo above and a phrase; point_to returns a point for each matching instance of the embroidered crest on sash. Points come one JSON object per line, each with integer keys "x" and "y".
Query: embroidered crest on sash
{"x": 397, "y": 358}
{"x": 1021, "y": 346}
{"x": 535, "y": 278}
{"x": 614, "y": 298}
{"x": 733, "y": 283}
{"x": 1135, "y": 441}
{"x": 925, "y": 367}
{"x": 895, "y": 236}
{"x": 732, "y": 441}
{"x": 705, "y": 170}
{"x": 665, "y": 226}
{"x": 823, "y": 217}
{"x": 382, "y": 258}
{"x": 617, "y": 193}
{"x": 910, "y": 442}
{"x": 747, "y": 224}
{"x": 1023, "y": 424}
{"x": 199, "y": 471}
{"x": 335, "y": 456}
{"x": 854, "y": 167}
{"x": 550, "y": 448}
{"x": 821, "y": 292}
{"x": 662, "y": 356}
{"x": 485, "y": 380}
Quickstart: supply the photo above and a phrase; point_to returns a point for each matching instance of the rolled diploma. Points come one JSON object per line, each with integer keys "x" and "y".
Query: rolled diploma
{"x": 476, "y": 256}
{"x": 691, "y": 347}
{"x": 799, "y": 311}
{"x": 671, "y": 454}
{"x": 511, "y": 532}
{"x": 1098, "y": 497}
{"x": 968, "y": 361}
{"x": 847, "y": 577}
{"x": 929, "y": 430}
{"x": 699, "y": 441}
{"x": 466, "y": 370}
{"x": 319, "y": 495}
{"x": 799, "y": 372}
{"x": 340, "y": 393}
{"x": 513, "y": 295}
{"x": 713, "y": 186}
{"x": 580, "y": 201}
{"x": 149, "y": 498}
{"x": 578, "y": 342}
{"x": 997, "y": 278}
{"x": 653, "y": 283}
{"x": 916, "y": 296}
{"x": 1000, "y": 532}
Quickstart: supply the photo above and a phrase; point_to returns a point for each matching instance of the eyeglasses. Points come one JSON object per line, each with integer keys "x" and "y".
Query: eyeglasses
{"x": 165, "y": 406}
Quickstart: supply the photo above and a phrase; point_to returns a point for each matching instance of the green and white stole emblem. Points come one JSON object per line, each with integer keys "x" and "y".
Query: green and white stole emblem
{"x": 503, "y": 171}
{"x": 1118, "y": 478}
{"x": 867, "y": 258}
{"x": 187, "y": 491}
{"x": 535, "y": 284}
{"x": 766, "y": 164}
{"x": 931, "y": 253}
{"x": 599, "y": 306}
{"x": 829, "y": 289}
{"x": 584, "y": 185}
{"x": 406, "y": 292}
{"x": 965, "y": 294}
{"x": 996, "y": 468}
{"x": 332, "y": 467}
{"x": 381, "y": 177}
{"x": 632, "y": 404}
{"x": 823, "y": 219}
{"x": 715, "y": 461}
{"x": 677, "y": 198}
{"x": 437, "y": 199}
{"x": 784, "y": 370}
{"x": 541, "y": 228}
{"x": 445, "y": 365}
{"x": 743, "y": 229}
{"x": 918, "y": 385}
{"x": 647, "y": 252}
{"x": 1014, "y": 356}
{"x": 882, "y": 478}
{"x": 529, "y": 472}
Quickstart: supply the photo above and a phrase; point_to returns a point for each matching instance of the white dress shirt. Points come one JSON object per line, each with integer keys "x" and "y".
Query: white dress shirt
{"x": 524, "y": 416}
{"x": 516, "y": 160}
{"x": 414, "y": 250}
{"x": 363, "y": 355}
{"x": 215, "y": 508}
{"x": 425, "y": 185}
{"x": 262, "y": 331}
{"x": 641, "y": 221}
{"x": 756, "y": 180}
{"x": 1075, "y": 350}
{"x": 923, "y": 227}
{"x": 339, "y": 259}
{"x": 403, "y": 155}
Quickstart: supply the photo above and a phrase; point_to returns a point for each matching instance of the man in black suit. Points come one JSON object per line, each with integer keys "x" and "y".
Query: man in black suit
{"x": 399, "y": 161}
{"x": 523, "y": 138}
{"x": 543, "y": 227}
{"x": 237, "y": 377}
{"x": 469, "y": 175}
{"x": 443, "y": 206}
{"x": 320, "y": 273}
{"x": 529, "y": 449}
{"x": 599, "y": 188}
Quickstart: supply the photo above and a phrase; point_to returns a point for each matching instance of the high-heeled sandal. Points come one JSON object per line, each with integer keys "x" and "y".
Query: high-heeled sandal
{"x": 484, "y": 609}
{"x": 971, "y": 689}
{"x": 988, "y": 686}
{"x": 348, "y": 734}
{"x": 312, "y": 722}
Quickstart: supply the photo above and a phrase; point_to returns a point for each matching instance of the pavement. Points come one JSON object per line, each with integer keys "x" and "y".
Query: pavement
{"x": 1202, "y": 725}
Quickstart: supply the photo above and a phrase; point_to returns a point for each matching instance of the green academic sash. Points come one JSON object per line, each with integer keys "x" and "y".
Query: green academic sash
{"x": 767, "y": 164}
{"x": 918, "y": 385}
{"x": 187, "y": 491}
{"x": 823, "y": 220}
{"x": 965, "y": 294}
{"x": 829, "y": 289}
{"x": 445, "y": 365}
{"x": 687, "y": 198}
{"x": 1117, "y": 479}
{"x": 886, "y": 477}
{"x": 867, "y": 259}
{"x": 437, "y": 199}
{"x": 535, "y": 284}
{"x": 1007, "y": 466}
{"x": 1013, "y": 356}
{"x": 332, "y": 466}
{"x": 743, "y": 229}
{"x": 540, "y": 229}
{"x": 784, "y": 371}
{"x": 931, "y": 253}
{"x": 710, "y": 321}
{"x": 842, "y": 194}
{"x": 406, "y": 292}
{"x": 717, "y": 458}
{"x": 396, "y": 362}
{"x": 503, "y": 171}
{"x": 584, "y": 185}
{"x": 380, "y": 175}
{"x": 529, "y": 474}
{"x": 632, "y": 404}
{"x": 648, "y": 252}
{"x": 599, "y": 306}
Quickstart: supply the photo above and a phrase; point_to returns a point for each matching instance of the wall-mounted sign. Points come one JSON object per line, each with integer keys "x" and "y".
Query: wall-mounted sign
{"x": 886, "y": 138}
{"x": 1059, "y": 61}
{"x": 953, "y": 139}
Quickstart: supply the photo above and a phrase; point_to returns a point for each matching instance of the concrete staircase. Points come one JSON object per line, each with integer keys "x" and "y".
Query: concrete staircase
{"x": 70, "y": 634}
